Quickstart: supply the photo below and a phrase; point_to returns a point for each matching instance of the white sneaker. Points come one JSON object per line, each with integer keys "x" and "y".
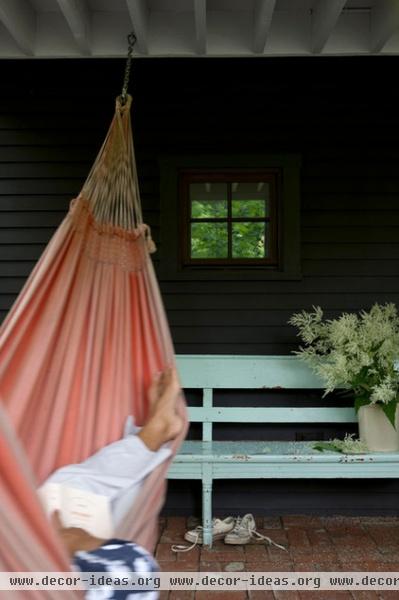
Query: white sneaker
{"x": 245, "y": 530}
{"x": 220, "y": 527}
{"x": 242, "y": 531}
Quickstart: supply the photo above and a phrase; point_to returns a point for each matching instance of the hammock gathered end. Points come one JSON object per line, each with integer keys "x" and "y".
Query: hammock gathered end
{"x": 111, "y": 192}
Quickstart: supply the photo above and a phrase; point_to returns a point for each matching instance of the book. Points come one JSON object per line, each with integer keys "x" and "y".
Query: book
{"x": 79, "y": 508}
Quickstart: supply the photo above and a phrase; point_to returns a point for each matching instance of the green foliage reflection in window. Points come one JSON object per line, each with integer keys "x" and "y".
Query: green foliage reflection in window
{"x": 248, "y": 240}
{"x": 229, "y": 220}
{"x": 208, "y": 209}
{"x": 209, "y": 240}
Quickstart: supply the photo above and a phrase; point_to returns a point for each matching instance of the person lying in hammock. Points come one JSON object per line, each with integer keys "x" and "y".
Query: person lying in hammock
{"x": 122, "y": 466}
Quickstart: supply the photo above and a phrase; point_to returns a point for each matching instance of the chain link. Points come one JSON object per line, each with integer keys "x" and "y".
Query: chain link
{"x": 131, "y": 39}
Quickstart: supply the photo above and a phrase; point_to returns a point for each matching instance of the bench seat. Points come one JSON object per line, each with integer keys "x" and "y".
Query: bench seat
{"x": 280, "y": 460}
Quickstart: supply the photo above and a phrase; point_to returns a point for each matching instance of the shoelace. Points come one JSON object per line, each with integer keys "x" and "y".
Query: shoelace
{"x": 259, "y": 536}
{"x": 182, "y": 548}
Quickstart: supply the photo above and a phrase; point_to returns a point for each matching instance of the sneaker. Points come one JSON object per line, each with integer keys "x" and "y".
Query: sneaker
{"x": 242, "y": 531}
{"x": 220, "y": 527}
{"x": 245, "y": 530}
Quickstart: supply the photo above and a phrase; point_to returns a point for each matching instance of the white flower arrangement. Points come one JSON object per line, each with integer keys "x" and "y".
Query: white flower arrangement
{"x": 358, "y": 352}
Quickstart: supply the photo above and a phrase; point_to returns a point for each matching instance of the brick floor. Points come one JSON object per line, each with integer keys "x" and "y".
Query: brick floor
{"x": 313, "y": 544}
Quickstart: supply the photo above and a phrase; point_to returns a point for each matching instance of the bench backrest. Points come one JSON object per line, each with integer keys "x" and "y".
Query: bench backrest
{"x": 209, "y": 372}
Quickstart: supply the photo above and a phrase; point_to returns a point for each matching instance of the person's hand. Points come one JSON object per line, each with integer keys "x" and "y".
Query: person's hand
{"x": 74, "y": 538}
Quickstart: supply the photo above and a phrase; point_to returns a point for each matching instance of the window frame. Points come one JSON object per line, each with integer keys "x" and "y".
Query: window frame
{"x": 170, "y": 266}
{"x": 228, "y": 176}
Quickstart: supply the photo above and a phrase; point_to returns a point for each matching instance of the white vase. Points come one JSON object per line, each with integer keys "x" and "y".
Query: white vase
{"x": 376, "y": 431}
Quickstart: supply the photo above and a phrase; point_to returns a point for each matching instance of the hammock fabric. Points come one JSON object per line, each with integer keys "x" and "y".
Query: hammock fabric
{"x": 27, "y": 541}
{"x": 85, "y": 337}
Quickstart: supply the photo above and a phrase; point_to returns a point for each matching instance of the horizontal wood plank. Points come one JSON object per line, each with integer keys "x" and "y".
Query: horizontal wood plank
{"x": 245, "y": 373}
{"x": 343, "y": 300}
{"x": 272, "y": 415}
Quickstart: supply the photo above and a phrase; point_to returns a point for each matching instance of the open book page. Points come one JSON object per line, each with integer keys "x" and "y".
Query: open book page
{"x": 79, "y": 508}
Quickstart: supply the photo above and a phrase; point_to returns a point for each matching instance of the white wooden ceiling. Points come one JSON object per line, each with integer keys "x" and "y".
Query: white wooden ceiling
{"x": 73, "y": 28}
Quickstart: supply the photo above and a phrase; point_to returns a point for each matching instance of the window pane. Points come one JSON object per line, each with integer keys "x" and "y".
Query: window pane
{"x": 209, "y": 240}
{"x": 249, "y": 240}
{"x": 250, "y": 199}
{"x": 208, "y": 200}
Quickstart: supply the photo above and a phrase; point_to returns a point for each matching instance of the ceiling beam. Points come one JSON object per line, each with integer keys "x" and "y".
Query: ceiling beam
{"x": 77, "y": 16}
{"x": 263, "y": 13}
{"x": 324, "y": 18}
{"x": 19, "y": 18}
{"x": 139, "y": 16}
{"x": 200, "y": 26}
{"x": 384, "y": 23}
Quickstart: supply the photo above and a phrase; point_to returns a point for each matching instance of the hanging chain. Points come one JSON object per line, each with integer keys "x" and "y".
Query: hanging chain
{"x": 131, "y": 39}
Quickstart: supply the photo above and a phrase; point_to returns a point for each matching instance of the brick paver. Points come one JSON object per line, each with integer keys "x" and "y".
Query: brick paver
{"x": 205, "y": 595}
{"x": 261, "y": 595}
{"x": 181, "y": 595}
{"x": 312, "y": 544}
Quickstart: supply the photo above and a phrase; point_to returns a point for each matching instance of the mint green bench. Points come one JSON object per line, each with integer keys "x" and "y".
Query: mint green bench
{"x": 207, "y": 460}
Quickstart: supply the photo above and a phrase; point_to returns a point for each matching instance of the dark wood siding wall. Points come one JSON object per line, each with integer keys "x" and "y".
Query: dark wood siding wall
{"x": 340, "y": 114}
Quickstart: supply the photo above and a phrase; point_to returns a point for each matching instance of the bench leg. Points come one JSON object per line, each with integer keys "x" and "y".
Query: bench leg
{"x": 207, "y": 513}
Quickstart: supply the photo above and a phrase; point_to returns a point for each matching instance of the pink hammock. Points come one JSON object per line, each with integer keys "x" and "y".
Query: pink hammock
{"x": 86, "y": 334}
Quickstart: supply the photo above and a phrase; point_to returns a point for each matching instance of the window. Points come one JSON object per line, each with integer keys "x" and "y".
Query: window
{"x": 229, "y": 218}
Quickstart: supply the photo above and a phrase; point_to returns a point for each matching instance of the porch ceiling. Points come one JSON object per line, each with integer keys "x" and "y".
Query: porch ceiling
{"x": 74, "y": 28}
